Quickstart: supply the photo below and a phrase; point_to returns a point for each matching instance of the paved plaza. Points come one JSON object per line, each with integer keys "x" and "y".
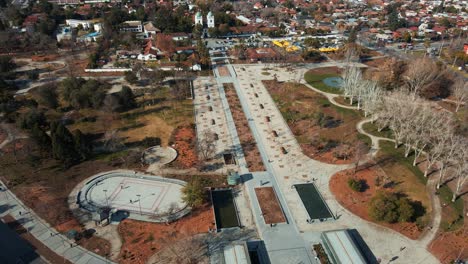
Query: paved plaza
{"x": 210, "y": 117}
{"x": 137, "y": 193}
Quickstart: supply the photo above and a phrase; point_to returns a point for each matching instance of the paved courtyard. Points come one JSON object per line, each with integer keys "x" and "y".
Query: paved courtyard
{"x": 145, "y": 195}
{"x": 210, "y": 117}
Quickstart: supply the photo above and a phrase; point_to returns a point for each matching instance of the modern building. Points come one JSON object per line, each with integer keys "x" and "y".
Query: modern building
{"x": 210, "y": 20}
{"x": 341, "y": 247}
{"x": 64, "y": 33}
{"x": 74, "y": 23}
{"x": 132, "y": 26}
{"x": 236, "y": 253}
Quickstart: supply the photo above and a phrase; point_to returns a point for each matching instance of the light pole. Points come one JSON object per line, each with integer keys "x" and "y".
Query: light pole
{"x": 139, "y": 203}
{"x": 105, "y": 194}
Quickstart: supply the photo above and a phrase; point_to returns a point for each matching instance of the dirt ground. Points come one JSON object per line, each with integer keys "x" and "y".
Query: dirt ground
{"x": 141, "y": 240}
{"x": 326, "y": 70}
{"x": 223, "y": 71}
{"x": 183, "y": 140}
{"x": 271, "y": 210}
{"x": 448, "y": 246}
{"x": 358, "y": 202}
{"x": 324, "y": 132}
{"x": 40, "y": 248}
{"x": 249, "y": 146}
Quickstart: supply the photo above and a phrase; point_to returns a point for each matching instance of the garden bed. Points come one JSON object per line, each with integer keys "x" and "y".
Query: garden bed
{"x": 141, "y": 240}
{"x": 269, "y": 204}
{"x": 248, "y": 143}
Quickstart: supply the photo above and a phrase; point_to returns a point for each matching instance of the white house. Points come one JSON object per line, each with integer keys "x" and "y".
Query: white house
{"x": 74, "y": 23}
{"x": 210, "y": 20}
{"x": 198, "y": 18}
{"x": 132, "y": 26}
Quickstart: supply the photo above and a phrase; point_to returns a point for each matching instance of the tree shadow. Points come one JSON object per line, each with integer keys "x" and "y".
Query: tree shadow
{"x": 145, "y": 112}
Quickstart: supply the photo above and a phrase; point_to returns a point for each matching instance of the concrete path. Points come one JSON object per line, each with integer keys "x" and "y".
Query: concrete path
{"x": 40, "y": 229}
{"x": 44, "y": 232}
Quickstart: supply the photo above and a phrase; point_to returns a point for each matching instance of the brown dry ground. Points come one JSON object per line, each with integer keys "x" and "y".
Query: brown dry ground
{"x": 158, "y": 115}
{"x": 448, "y": 246}
{"x": 39, "y": 248}
{"x": 358, "y": 202}
{"x": 223, "y": 71}
{"x": 184, "y": 140}
{"x": 142, "y": 239}
{"x": 249, "y": 146}
{"x": 271, "y": 210}
{"x": 300, "y": 107}
{"x": 44, "y": 187}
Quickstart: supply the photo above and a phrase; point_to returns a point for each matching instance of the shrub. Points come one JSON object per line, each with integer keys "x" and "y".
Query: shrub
{"x": 388, "y": 207}
{"x": 151, "y": 141}
{"x": 356, "y": 185}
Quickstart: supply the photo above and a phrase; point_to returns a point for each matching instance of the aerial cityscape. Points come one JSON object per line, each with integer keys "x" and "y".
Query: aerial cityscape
{"x": 236, "y": 132}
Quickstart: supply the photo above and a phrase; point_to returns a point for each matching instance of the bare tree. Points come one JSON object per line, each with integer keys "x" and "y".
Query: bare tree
{"x": 206, "y": 144}
{"x": 112, "y": 141}
{"x": 461, "y": 168}
{"x": 352, "y": 78}
{"x": 359, "y": 152}
{"x": 188, "y": 251}
{"x": 371, "y": 98}
{"x": 460, "y": 93}
{"x": 420, "y": 72}
{"x": 446, "y": 159}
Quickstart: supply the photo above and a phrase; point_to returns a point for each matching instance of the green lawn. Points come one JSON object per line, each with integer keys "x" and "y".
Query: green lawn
{"x": 316, "y": 80}
{"x": 372, "y": 129}
{"x": 452, "y": 218}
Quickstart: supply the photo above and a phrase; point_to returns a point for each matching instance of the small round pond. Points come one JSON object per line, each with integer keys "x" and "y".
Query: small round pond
{"x": 334, "y": 82}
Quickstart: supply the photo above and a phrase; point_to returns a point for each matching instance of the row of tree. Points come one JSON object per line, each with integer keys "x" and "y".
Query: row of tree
{"x": 414, "y": 122}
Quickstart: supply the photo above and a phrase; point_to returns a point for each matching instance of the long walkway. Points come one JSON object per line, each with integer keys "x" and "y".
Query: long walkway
{"x": 44, "y": 232}
{"x": 36, "y": 226}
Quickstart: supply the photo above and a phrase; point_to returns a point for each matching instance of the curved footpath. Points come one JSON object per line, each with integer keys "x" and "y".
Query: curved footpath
{"x": 429, "y": 234}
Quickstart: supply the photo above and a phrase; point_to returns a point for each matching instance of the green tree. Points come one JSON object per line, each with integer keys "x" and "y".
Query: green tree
{"x": 131, "y": 77}
{"x": 63, "y": 144}
{"x": 352, "y": 36}
{"x": 6, "y": 64}
{"x": 83, "y": 145}
{"x": 32, "y": 118}
{"x": 47, "y": 95}
{"x": 193, "y": 193}
{"x": 388, "y": 207}
{"x": 313, "y": 43}
{"x": 40, "y": 137}
{"x": 126, "y": 98}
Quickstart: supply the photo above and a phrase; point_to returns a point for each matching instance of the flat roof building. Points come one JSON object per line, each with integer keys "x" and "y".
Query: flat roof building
{"x": 341, "y": 247}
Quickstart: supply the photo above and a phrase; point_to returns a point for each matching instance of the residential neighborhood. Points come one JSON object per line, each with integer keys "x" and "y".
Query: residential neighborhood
{"x": 274, "y": 131}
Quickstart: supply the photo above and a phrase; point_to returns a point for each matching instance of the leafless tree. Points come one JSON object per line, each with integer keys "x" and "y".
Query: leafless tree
{"x": 188, "y": 251}
{"x": 360, "y": 151}
{"x": 206, "y": 144}
{"x": 112, "y": 141}
{"x": 371, "y": 97}
{"x": 461, "y": 168}
{"x": 448, "y": 154}
{"x": 420, "y": 73}
{"x": 352, "y": 78}
{"x": 460, "y": 93}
